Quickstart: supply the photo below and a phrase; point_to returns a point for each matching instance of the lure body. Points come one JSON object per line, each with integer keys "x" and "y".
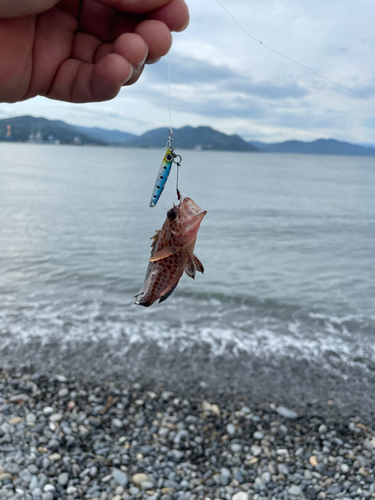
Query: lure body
{"x": 172, "y": 252}
{"x": 163, "y": 174}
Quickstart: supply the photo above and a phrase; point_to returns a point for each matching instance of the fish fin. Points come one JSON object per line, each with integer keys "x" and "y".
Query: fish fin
{"x": 168, "y": 294}
{"x": 166, "y": 252}
{"x": 190, "y": 267}
{"x": 198, "y": 264}
{"x": 155, "y": 239}
{"x": 193, "y": 264}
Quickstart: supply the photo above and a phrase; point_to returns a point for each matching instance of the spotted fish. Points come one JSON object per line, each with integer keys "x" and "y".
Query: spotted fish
{"x": 172, "y": 252}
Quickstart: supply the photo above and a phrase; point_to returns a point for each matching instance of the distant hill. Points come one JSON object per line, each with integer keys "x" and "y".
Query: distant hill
{"x": 41, "y": 130}
{"x": 318, "y": 147}
{"x": 25, "y": 128}
{"x": 109, "y": 136}
{"x": 204, "y": 138}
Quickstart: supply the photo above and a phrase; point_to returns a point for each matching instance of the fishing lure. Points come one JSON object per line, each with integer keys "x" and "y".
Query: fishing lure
{"x": 170, "y": 157}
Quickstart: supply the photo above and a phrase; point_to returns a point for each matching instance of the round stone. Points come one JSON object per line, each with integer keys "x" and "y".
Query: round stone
{"x": 147, "y": 485}
{"x": 294, "y": 490}
{"x": 345, "y": 468}
{"x": 93, "y": 471}
{"x": 63, "y": 479}
{"x": 121, "y": 477}
{"x": 5, "y": 476}
{"x": 56, "y": 417}
{"x": 31, "y": 418}
{"x": 25, "y": 475}
{"x": 116, "y": 423}
{"x": 235, "y": 447}
{"x": 47, "y": 495}
{"x": 286, "y": 412}
{"x": 48, "y": 410}
{"x": 255, "y": 450}
{"x": 241, "y": 495}
{"x": 63, "y": 392}
{"x": 34, "y": 483}
{"x": 231, "y": 430}
{"x": 139, "y": 478}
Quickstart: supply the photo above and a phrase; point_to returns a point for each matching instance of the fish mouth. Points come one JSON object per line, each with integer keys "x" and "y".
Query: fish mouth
{"x": 190, "y": 208}
{"x": 194, "y": 221}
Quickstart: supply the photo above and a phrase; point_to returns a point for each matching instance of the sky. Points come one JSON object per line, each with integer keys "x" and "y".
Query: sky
{"x": 223, "y": 78}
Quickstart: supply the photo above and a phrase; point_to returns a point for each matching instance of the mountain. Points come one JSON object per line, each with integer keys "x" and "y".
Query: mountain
{"x": 204, "y": 138}
{"x": 41, "y": 130}
{"x": 318, "y": 147}
{"x": 109, "y": 136}
{"x": 25, "y": 128}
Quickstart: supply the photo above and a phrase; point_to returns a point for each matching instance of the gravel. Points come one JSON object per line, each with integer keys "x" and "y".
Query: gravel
{"x": 63, "y": 438}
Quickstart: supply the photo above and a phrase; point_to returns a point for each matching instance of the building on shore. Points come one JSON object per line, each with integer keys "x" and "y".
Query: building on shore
{"x": 8, "y": 135}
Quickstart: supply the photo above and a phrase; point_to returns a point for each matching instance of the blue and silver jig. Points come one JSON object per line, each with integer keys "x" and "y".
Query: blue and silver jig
{"x": 170, "y": 157}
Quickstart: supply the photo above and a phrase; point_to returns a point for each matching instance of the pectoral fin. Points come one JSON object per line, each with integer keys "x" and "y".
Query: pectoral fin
{"x": 193, "y": 264}
{"x": 166, "y": 252}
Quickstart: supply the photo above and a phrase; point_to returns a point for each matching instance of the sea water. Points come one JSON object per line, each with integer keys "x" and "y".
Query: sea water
{"x": 288, "y": 245}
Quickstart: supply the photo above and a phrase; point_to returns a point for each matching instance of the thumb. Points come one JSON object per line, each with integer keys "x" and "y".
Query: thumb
{"x": 20, "y": 8}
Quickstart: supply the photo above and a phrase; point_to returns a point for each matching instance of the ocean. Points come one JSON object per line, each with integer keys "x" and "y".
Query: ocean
{"x": 285, "y": 309}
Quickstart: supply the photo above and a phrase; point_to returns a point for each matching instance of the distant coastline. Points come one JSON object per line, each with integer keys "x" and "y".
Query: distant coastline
{"x": 29, "y": 129}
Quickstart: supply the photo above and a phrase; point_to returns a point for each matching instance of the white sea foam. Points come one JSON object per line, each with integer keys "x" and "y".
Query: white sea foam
{"x": 234, "y": 328}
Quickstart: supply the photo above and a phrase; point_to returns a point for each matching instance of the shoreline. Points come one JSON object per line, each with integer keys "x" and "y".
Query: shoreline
{"x": 64, "y": 437}
{"x": 290, "y": 379}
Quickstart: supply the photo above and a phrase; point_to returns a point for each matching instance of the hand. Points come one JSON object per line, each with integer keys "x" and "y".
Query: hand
{"x": 82, "y": 50}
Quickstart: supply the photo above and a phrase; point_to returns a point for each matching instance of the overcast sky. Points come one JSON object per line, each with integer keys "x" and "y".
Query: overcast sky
{"x": 224, "y": 79}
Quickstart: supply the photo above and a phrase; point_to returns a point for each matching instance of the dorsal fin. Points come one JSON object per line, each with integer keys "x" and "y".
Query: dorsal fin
{"x": 166, "y": 252}
{"x": 154, "y": 239}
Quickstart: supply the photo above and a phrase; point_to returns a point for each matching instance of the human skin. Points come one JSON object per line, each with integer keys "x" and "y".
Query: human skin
{"x": 82, "y": 50}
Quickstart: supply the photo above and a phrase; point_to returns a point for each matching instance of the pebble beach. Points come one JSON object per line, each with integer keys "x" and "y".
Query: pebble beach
{"x": 66, "y": 438}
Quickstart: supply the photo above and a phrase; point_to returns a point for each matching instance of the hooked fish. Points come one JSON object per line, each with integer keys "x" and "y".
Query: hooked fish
{"x": 172, "y": 252}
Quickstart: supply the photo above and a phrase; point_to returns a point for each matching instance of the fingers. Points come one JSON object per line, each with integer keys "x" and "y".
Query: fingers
{"x": 157, "y": 37}
{"x": 85, "y": 47}
{"x": 135, "y": 6}
{"x": 107, "y": 22}
{"x": 19, "y": 8}
{"x": 81, "y": 82}
{"x": 175, "y": 15}
{"x": 132, "y": 47}
{"x": 101, "y": 69}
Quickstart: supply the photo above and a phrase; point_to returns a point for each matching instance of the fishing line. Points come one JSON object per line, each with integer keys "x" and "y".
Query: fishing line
{"x": 170, "y": 157}
{"x": 257, "y": 40}
{"x": 178, "y": 163}
{"x": 169, "y": 93}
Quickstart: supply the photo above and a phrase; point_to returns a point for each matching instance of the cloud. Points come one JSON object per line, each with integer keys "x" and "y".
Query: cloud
{"x": 370, "y": 123}
{"x": 193, "y": 72}
{"x": 366, "y": 91}
{"x": 220, "y": 77}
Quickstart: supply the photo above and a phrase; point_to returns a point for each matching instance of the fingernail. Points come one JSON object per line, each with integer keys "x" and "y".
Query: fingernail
{"x": 141, "y": 63}
{"x": 184, "y": 27}
{"x": 153, "y": 61}
{"x": 130, "y": 75}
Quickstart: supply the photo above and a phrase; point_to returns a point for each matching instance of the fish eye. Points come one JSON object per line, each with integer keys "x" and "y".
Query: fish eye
{"x": 172, "y": 214}
{"x": 169, "y": 157}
